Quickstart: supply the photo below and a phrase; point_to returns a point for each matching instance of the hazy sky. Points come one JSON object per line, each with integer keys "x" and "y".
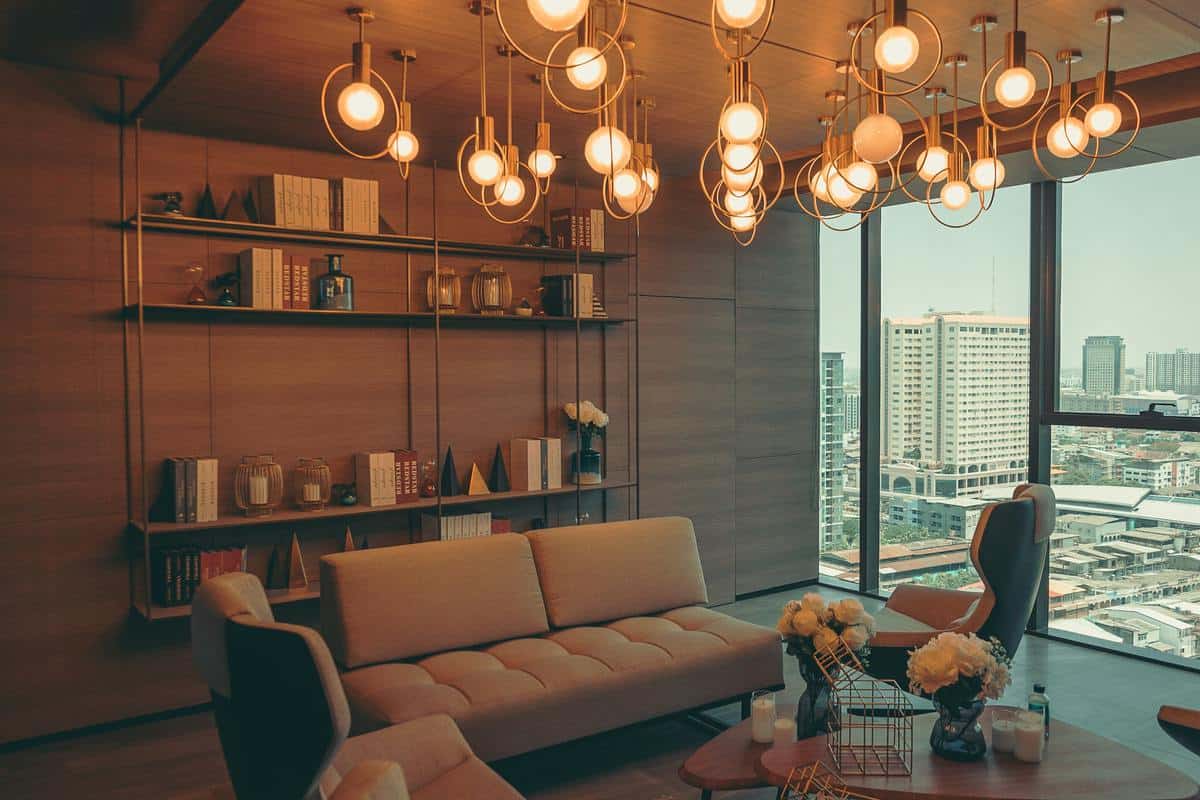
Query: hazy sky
{"x": 1131, "y": 263}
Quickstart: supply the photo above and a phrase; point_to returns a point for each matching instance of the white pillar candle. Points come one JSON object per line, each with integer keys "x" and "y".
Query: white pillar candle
{"x": 312, "y": 492}
{"x": 258, "y": 490}
{"x": 1003, "y": 735}
{"x": 785, "y": 731}
{"x": 1029, "y": 741}
{"x": 762, "y": 719}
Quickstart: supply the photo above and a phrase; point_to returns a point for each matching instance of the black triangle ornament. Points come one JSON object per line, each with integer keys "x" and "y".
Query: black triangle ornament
{"x": 498, "y": 479}
{"x": 208, "y": 207}
{"x": 450, "y": 485}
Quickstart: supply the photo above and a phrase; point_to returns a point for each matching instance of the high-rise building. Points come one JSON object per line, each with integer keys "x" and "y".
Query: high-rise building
{"x": 1176, "y": 372}
{"x": 1103, "y": 365}
{"x": 853, "y": 399}
{"x": 955, "y": 402}
{"x": 832, "y": 455}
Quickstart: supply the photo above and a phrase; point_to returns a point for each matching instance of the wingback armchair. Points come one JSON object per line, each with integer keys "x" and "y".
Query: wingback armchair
{"x": 1182, "y": 725}
{"x": 283, "y": 719}
{"x": 1008, "y": 551}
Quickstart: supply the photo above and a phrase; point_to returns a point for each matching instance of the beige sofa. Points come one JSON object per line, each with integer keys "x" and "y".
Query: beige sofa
{"x": 531, "y": 640}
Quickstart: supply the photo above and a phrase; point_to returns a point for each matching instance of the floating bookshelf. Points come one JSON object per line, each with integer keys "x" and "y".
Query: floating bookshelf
{"x": 276, "y": 597}
{"x": 169, "y": 223}
{"x": 315, "y": 315}
{"x": 292, "y": 516}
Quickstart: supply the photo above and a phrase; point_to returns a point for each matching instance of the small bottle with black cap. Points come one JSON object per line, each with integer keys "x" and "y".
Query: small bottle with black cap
{"x": 1040, "y": 702}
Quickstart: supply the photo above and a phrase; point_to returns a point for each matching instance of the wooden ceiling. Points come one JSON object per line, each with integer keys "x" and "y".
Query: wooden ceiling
{"x": 258, "y": 77}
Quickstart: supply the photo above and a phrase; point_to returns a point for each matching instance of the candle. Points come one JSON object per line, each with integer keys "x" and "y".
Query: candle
{"x": 1029, "y": 741}
{"x": 785, "y": 731}
{"x": 258, "y": 490}
{"x": 312, "y": 492}
{"x": 762, "y": 718}
{"x": 1003, "y": 732}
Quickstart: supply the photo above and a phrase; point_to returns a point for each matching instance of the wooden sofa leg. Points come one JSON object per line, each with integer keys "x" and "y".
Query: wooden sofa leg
{"x": 745, "y": 706}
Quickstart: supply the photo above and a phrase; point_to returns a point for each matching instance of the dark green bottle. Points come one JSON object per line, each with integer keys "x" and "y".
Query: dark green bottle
{"x": 335, "y": 289}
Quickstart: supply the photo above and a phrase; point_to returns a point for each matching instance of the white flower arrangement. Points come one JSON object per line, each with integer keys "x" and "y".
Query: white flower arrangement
{"x": 956, "y": 669}
{"x": 810, "y": 624}
{"x": 590, "y": 420}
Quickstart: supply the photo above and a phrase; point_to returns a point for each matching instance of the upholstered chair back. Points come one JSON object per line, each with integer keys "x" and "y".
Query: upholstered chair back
{"x": 1009, "y": 551}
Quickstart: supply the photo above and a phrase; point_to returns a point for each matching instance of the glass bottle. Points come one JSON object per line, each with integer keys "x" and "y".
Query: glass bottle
{"x": 335, "y": 289}
{"x": 1039, "y": 702}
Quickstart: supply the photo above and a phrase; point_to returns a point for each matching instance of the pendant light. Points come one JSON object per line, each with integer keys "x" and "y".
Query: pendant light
{"x": 542, "y": 160}
{"x": 557, "y": 15}
{"x": 1104, "y": 117}
{"x": 403, "y": 144}
{"x": 956, "y": 193}
{"x": 1015, "y": 85}
{"x": 630, "y": 189}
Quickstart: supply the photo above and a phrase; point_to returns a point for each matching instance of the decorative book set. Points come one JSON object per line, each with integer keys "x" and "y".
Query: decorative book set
{"x": 269, "y": 279}
{"x": 319, "y": 204}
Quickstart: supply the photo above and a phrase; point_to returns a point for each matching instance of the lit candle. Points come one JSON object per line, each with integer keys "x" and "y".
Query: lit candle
{"x": 258, "y": 490}
{"x": 1003, "y": 734}
{"x": 312, "y": 492}
{"x": 762, "y": 718}
{"x": 1029, "y": 742}
{"x": 785, "y": 731}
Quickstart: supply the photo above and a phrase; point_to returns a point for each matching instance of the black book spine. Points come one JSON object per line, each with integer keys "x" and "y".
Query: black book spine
{"x": 178, "y": 490}
{"x": 190, "y": 468}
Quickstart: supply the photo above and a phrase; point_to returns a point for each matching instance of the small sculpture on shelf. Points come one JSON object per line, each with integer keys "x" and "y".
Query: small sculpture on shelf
{"x": 344, "y": 494}
{"x": 498, "y": 480}
{"x": 207, "y": 208}
{"x": 172, "y": 203}
{"x": 450, "y": 484}
{"x": 586, "y": 468}
{"x": 429, "y": 485}
{"x": 225, "y": 282}
{"x": 534, "y": 236}
{"x": 491, "y": 290}
{"x": 447, "y": 294}
{"x": 297, "y": 574}
{"x": 258, "y": 485}
{"x": 312, "y": 484}
{"x": 524, "y": 308}
{"x": 335, "y": 289}
{"x": 196, "y": 295}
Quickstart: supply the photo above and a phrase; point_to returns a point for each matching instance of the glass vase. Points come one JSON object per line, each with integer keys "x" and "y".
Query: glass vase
{"x": 335, "y": 289}
{"x": 312, "y": 484}
{"x": 957, "y": 734}
{"x": 816, "y": 711}
{"x": 586, "y": 465}
{"x": 258, "y": 485}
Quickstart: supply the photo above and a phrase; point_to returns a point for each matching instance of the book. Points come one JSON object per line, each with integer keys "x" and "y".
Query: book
{"x": 303, "y": 285}
{"x": 456, "y": 527}
{"x": 206, "y": 490}
{"x": 407, "y": 480}
{"x": 276, "y": 278}
{"x": 596, "y": 230}
{"x": 536, "y": 464}
{"x": 320, "y": 204}
{"x": 287, "y": 282}
{"x": 568, "y": 295}
{"x": 375, "y": 478}
{"x": 175, "y": 484}
{"x": 551, "y": 454}
{"x": 271, "y": 200}
{"x": 255, "y": 265}
{"x": 189, "y": 466}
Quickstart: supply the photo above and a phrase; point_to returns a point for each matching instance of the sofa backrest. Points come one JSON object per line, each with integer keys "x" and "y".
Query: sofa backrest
{"x": 602, "y": 572}
{"x": 393, "y": 603}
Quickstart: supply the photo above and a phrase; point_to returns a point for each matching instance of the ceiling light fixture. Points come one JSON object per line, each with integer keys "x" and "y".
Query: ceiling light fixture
{"x": 956, "y": 192}
{"x": 631, "y": 188}
{"x": 1104, "y": 117}
{"x": 542, "y": 160}
{"x": 1015, "y": 85}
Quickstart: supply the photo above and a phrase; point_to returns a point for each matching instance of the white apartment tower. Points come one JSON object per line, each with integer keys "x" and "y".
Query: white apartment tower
{"x": 1176, "y": 372}
{"x": 955, "y": 402}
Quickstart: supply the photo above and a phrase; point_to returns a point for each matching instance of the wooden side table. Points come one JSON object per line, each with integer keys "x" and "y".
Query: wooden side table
{"x": 728, "y": 761}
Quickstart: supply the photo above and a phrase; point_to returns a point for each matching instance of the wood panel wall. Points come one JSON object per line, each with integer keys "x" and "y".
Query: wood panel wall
{"x": 710, "y": 341}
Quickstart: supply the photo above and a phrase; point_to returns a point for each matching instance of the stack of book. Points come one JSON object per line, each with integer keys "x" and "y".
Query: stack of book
{"x": 459, "y": 526}
{"x": 319, "y": 204}
{"x": 189, "y": 492}
{"x": 569, "y": 295}
{"x": 386, "y": 477}
{"x": 583, "y": 230}
{"x": 268, "y": 279}
{"x": 175, "y": 572}
{"x": 536, "y": 464}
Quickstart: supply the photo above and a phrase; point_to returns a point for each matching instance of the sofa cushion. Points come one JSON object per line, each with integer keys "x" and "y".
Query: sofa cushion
{"x": 394, "y": 603}
{"x": 597, "y": 573}
{"x": 529, "y": 693}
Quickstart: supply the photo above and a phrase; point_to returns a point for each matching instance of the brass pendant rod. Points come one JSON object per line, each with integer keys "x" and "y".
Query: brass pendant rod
{"x": 508, "y": 101}
{"x": 1107, "y": 39}
{"x": 482, "y": 66}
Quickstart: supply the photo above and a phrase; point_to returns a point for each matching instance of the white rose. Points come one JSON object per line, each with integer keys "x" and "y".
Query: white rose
{"x": 848, "y": 611}
{"x": 824, "y": 639}
{"x": 784, "y": 626}
{"x": 855, "y": 637}
{"x": 813, "y": 602}
{"x": 791, "y": 607}
{"x": 804, "y": 622}
{"x": 601, "y": 419}
{"x": 868, "y": 622}
{"x": 569, "y": 408}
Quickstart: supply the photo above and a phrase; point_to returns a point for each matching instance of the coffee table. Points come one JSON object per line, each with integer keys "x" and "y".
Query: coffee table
{"x": 1079, "y": 765}
{"x": 728, "y": 761}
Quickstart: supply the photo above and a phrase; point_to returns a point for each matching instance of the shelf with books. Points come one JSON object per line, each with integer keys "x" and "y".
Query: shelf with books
{"x": 292, "y": 516}
{"x": 275, "y": 597}
{"x": 170, "y": 223}
{"x": 307, "y": 315}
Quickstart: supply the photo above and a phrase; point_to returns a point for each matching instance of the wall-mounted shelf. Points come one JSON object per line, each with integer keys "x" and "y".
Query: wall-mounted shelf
{"x": 169, "y": 223}
{"x": 275, "y": 597}
{"x": 314, "y": 315}
{"x": 291, "y": 516}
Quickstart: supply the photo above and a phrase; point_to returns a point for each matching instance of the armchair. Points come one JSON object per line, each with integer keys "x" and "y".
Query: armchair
{"x": 1182, "y": 725}
{"x": 283, "y": 719}
{"x": 1008, "y": 551}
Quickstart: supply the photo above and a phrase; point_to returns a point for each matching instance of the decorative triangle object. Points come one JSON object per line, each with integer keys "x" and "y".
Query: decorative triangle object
{"x": 365, "y": 544}
{"x": 234, "y": 210}
{"x": 498, "y": 480}
{"x": 450, "y": 484}
{"x": 385, "y": 226}
{"x": 476, "y": 484}
{"x": 208, "y": 207}
{"x": 249, "y": 206}
{"x": 275, "y": 569}
{"x": 297, "y": 576}
{"x": 348, "y": 543}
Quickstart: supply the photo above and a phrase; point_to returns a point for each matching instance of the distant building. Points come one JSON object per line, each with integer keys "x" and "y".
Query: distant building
{"x": 1158, "y": 474}
{"x": 1103, "y": 365}
{"x": 832, "y": 449}
{"x": 952, "y": 518}
{"x": 1175, "y": 631}
{"x": 853, "y": 399}
{"x": 1091, "y": 528}
{"x": 1176, "y": 372}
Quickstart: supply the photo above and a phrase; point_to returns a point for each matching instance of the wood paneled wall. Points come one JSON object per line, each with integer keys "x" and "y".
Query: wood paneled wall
{"x": 722, "y": 361}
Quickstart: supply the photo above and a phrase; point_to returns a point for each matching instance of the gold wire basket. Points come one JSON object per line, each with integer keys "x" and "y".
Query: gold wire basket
{"x": 817, "y": 781}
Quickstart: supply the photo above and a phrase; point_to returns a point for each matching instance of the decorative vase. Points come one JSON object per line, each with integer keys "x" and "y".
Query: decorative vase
{"x": 816, "y": 713}
{"x": 586, "y": 469}
{"x": 335, "y": 289}
{"x": 957, "y": 734}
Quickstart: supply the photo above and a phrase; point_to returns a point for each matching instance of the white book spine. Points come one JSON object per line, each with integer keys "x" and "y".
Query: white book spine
{"x": 262, "y": 277}
{"x": 374, "y": 218}
{"x": 307, "y": 205}
{"x": 276, "y": 278}
{"x": 280, "y": 199}
{"x": 320, "y": 204}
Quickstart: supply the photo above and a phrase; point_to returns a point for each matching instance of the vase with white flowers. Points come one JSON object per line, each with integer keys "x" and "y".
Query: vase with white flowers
{"x": 586, "y": 467}
{"x": 960, "y": 673}
{"x": 809, "y": 625}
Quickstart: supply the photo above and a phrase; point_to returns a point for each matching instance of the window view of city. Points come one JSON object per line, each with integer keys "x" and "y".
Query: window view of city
{"x": 954, "y": 406}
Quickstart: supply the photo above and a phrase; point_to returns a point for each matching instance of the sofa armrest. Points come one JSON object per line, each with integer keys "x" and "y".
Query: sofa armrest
{"x": 425, "y": 748}
{"x": 372, "y": 780}
{"x": 937, "y": 608}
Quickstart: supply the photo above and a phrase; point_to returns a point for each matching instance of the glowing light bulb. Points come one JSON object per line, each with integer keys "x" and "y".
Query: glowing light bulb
{"x": 1067, "y": 137}
{"x": 650, "y": 178}
{"x": 742, "y": 123}
{"x": 878, "y": 138}
{"x": 862, "y": 176}
{"x": 542, "y": 163}
{"x": 510, "y": 190}
{"x": 743, "y": 180}
{"x": 842, "y": 193}
{"x": 586, "y": 68}
{"x": 741, "y": 13}
{"x": 896, "y": 49}
{"x": 737, "y": 203}
{"x": 607, "y": 149}
{"x": 1102, "y": 120}
{"x": 742, "y": 222}
{"x": 986, "y": 174}
{"x": 932, "y": 163}
{"x": 739, "y": 157}
{"x": 557, "y": 15}
{"x": 626, "y": 183}
{"x": 403, "y": 146}
{"x": 485, "y": 167}
{"x": 360, "y": 106}
{"x": 955, "y": 195}
{"x": 1015, "y": 87}
{"x": 638, "y": 203}
{"x": 818, "y": 184}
